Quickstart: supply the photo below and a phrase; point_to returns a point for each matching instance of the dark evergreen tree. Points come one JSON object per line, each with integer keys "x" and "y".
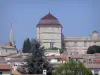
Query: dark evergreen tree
{"x": 26, "y": 46}
{"x": 93, "y": 49}
{"x": 36, "y": 61}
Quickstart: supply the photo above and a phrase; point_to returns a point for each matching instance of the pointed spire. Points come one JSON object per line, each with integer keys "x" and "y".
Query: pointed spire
{"x": 49, "y": 12}
{"x": 11, "y": 40}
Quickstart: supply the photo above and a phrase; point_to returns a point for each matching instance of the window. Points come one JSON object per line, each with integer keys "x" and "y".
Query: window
{"x": 0, "y": 73}
{"x": 85, "y": 44}
{"x": 96, "y": 72}
{"x": 75, "y": 44}
{"x": 95, "y": 43}
{"x": 51, "y": 44}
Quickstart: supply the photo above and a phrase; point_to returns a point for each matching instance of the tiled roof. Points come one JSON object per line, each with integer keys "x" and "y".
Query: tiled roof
{"x": 16, "y": 60}
{"x": 78, "y": 56}
{"x": 7, "y": 46}
{"x": 49, "y": 20}
{"x": 49, "y": 16}
{"x": 5, "y": 67}
{"x": 92, "y": 65}
{"x": 97, "y": 61}
{"x": 62, "y": 57}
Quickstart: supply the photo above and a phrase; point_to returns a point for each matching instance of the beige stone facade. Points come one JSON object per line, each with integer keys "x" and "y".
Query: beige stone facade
{"x": 49, "y": 33}
{"x": 49, "y": 36}
{"x": 79, "y": 45}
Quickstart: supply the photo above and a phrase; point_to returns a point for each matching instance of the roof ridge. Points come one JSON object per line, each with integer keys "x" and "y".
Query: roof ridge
{"x": 49, "y": 16}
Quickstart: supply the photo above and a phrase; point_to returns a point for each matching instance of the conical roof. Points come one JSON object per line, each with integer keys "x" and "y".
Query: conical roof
{"x": 49, "y": 20}
{"x": 95, "y": 31}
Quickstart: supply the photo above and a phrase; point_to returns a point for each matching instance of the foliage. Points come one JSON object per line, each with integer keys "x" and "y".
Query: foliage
{"x": 26, "y": 46}
{"x": 72, "y": 67}
{"x": 93, "y": 49}
{"x": 36, "y": 61}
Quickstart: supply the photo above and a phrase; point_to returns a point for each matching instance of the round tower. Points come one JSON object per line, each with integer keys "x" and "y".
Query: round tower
{"x": 95, "y": 35}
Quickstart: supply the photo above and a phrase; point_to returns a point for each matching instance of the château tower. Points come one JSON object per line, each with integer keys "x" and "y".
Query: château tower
{"x": 49, "y": 31}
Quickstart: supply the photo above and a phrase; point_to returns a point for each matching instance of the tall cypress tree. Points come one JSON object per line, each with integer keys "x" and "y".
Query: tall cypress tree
{"x": 26, "y": 46}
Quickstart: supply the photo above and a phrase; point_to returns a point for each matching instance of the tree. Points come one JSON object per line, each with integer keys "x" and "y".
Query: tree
{"x": 26, "y": 46}
{"x": 36, "y": 61}
{"x": 93, "y": 49}
{"x": 72, "y": 67}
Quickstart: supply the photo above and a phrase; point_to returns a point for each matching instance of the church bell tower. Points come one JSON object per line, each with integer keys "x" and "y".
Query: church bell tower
{"x": 11, "y": 39}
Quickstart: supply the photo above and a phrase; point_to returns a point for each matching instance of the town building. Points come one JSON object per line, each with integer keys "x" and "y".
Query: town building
{"x": 10, "y": 47}
{"x": 49, "y": 33}
{"x": 5, "y": 69}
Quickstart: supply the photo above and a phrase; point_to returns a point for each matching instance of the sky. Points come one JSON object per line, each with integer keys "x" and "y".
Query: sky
{"x": 78, "y": 17}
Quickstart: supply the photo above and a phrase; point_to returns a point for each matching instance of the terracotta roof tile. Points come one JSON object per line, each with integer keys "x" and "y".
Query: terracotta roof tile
{"x": 5, "y": 67}
{"x": 49, "y": 20}
{"x": 78, "y": 56}
{"x": 97, "y": 60}
{"x": 6, "y": 46}
{"x": 92, "y": 65}
{"x": 49, "y": 16}
{"x": 62, "y": 57}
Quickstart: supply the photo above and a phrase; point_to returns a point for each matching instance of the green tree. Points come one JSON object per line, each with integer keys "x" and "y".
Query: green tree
{"x": 36, "y": 61}
{"x": 26, "y": 46}
{"x": 93, "y": 49}
{"x": 72, "y": 67}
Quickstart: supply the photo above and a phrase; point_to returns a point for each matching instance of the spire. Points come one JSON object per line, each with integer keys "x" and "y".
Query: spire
{"x": 11, "y": 40}
{"x": 49, "y": 12}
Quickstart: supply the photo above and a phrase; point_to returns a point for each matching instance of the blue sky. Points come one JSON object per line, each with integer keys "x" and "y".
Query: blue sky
{"x": 78, "y": 17}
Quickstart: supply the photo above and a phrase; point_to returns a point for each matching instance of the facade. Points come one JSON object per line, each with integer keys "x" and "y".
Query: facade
{"x": 49, "y": 33}
{"x": 5, "y": 69}
{"x": 95, "y": 68}
{"x": 52, "y": 52}
{"x": 79, "y": 45}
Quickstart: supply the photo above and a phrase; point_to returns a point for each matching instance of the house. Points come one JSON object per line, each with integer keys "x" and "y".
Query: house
{"x": 77, "y": 57}
{"x": 49, "y": 33}
{"x": 95, "y": 67}
{"x": 57, "y": 59}
{"x": 10, "y": 47}
{"x": 5, "y": 69}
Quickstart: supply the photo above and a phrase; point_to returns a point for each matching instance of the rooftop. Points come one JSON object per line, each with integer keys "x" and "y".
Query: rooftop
{"x": 5, "y": 67}
{"x": 92, "y": 65}
{"x": 49, "y": 16}
{"x": 6, "y": 46}
{"x": 49, "y": 20}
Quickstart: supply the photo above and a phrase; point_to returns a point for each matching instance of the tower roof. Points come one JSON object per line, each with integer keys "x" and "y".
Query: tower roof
{"x": 49, "y": 16}
{"x": 95, "y": 31}
{"x": 49, "y": 20}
